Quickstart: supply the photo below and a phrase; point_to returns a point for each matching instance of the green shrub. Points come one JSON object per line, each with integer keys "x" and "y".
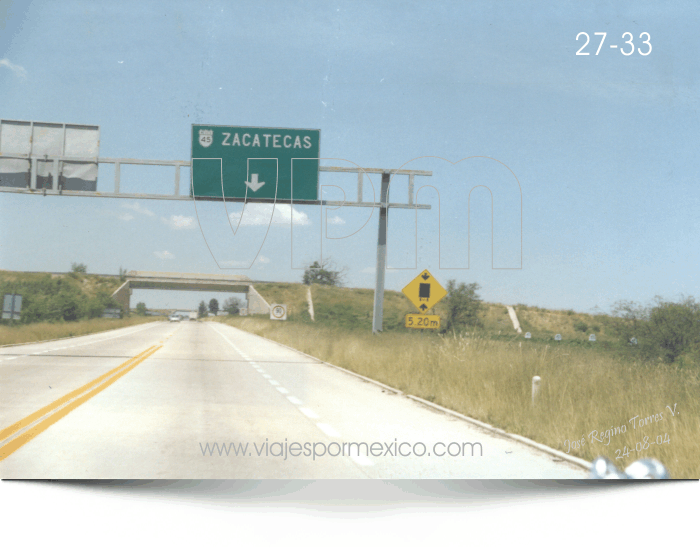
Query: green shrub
{"x": 463, "y": 304}
{"x": 581, "y": 326}
{"x": 665, "y": 330}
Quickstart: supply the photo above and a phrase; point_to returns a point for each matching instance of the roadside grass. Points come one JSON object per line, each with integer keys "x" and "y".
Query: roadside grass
{"x": 89, "y": 284}
{"x": 544, "y": 324}
{"x": 351, "y": 308}
{"x": 292, "y": 295}
{"x": 40, "y": 331}
{"x": 583, "y": 391}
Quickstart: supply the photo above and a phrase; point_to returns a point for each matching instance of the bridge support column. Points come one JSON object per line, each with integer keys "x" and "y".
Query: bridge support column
{"x": 256, "y": 303}
{"x": 122, "y": 295}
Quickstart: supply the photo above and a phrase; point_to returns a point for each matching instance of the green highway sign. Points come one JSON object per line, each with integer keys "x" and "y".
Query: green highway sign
{"x": 252, "y": 163}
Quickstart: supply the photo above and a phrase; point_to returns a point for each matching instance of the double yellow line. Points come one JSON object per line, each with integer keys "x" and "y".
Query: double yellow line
{"x": 44, "y": 418}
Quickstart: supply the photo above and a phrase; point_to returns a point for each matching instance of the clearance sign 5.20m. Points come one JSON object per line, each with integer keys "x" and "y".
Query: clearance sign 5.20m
{"x": 253, "y": 163}
{"x": 424, "y": 292}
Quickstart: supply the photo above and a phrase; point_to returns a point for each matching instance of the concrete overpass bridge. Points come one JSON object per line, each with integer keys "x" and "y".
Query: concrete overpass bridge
{"x": 148, "y": 280}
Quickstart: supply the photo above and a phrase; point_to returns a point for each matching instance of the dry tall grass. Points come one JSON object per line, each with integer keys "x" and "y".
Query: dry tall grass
{"x": 41, "y": 331}
{"x": 581, "y": 391}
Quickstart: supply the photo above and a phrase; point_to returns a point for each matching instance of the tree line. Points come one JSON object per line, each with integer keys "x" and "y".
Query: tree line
{"x": 232, "y": 306}
{"x": 662, "y": 330}
{"x": 47, "y": 299}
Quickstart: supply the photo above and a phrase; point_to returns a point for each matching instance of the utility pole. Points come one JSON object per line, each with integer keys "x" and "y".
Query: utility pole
{"x": 378, "y": 315}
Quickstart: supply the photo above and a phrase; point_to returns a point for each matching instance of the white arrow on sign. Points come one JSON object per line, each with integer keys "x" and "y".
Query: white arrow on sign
{"x": 253, "y": 183}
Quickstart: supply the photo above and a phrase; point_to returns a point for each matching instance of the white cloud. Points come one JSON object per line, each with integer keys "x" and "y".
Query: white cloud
{"x": 335, "y": 220}
{"x": 234, "y": 264}
{"x": 125, "y": 217}
{"x": 19, "y": 71}
{"x": 165, "y": 254}
{"x": 179, "y": 222}
{"x": 259, "y": 214}
{"x": 135, "y": 206}
{"x": 242, "y": 263}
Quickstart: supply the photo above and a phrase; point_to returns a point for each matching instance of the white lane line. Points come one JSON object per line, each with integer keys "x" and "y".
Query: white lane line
{"x": 151, "y": 325}
{"x": 233, "y": 345}
{"x": 309, "y": 413}
{"x": 248, "y": 359}
{"x": 12, "y": 358}
{"x": 328, "y": 430}
{"x": 113, "y": 337}
{"x": 306, "y": 411}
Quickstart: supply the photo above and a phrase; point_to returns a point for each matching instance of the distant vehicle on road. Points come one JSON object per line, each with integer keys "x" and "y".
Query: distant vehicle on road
{"x": 193, "y": 315}
{"x": 174, "y": 318}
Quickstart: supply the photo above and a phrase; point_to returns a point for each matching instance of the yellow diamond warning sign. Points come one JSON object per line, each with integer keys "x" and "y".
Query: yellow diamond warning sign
{"x": 424, "y": 291}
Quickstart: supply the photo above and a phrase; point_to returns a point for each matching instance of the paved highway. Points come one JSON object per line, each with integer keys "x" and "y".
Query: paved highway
{"x": 151, "y": 401}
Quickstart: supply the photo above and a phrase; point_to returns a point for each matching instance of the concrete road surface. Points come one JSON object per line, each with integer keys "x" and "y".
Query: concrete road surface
{"x": 205, "y": 400}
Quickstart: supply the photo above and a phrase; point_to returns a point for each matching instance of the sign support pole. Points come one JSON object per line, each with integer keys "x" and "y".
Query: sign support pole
{"x": 378, "y": 314}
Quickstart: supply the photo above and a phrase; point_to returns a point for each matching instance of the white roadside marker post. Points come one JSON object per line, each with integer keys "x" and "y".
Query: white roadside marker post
{"x": 535, "y": 388}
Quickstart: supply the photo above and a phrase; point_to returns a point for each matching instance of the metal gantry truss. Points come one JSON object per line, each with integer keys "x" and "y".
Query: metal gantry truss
{"x": 178, "y": 164}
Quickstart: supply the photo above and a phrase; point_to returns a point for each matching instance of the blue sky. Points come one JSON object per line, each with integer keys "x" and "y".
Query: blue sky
{"x": 604, "y": 147}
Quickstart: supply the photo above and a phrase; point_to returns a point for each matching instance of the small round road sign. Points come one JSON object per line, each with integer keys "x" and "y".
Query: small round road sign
{"x": 278, "y": 312}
